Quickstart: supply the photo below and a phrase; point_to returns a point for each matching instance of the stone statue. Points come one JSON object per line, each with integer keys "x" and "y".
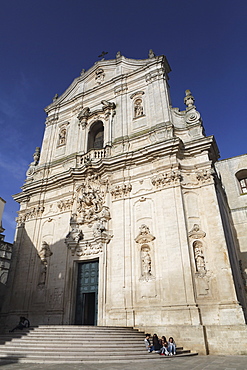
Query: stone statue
{"x": 62, "y": 137}
{"x": 199, "y": 257}
{"x": 45, "y": 252}
{"x": 138, "y": 109}
{"x": 36, "y": 156}
{"x": 151, "y": 54}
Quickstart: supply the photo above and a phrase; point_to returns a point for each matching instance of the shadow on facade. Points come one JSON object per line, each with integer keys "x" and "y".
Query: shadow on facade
{"x": 35, "y": 288}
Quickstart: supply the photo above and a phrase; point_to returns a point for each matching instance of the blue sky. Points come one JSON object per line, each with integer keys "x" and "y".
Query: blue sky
{"x": 45, "y": 44}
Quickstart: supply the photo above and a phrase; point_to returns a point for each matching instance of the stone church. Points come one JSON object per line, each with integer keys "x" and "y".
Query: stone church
{"x": 123, "y": 218}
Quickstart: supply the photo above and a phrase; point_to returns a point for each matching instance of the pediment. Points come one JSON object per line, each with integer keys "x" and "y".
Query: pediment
{"x": 100, "y": 74}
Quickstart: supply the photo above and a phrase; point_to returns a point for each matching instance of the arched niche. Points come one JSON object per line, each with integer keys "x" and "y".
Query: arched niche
{"x": 96, "y": 136}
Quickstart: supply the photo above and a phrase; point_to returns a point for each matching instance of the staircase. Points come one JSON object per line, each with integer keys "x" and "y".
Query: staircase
{"x": 77, "y": 344}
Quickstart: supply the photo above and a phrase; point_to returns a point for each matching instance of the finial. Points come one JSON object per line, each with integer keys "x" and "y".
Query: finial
{"x": 55, "y": 97}
{"x": 36, "y": 155}
{"x": 151, "y": 54}
{"x": 189, "y": 99}
{"x": 83, "y": 71}
{"x": 118, "y": 55}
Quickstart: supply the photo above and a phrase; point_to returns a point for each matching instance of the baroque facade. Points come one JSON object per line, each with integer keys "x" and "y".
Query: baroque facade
{"x": 121, "y": 215}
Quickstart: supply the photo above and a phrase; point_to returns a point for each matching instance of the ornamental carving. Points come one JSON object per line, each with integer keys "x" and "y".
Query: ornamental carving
{"x": 204, "y": 175}
{"x": 89, "y": 198}
{"x": 100, "y": 235}
{"x": 89, "y": 249}
{"x": 30, "y": 214}
{"x": 99, "y": 76}
{"x": 166, "y": 179}
{"x": 65, "y": 205}
{"x": 108, "y": 109}
{"x": 196, "y": 233}
{"x": 119, "y": 191}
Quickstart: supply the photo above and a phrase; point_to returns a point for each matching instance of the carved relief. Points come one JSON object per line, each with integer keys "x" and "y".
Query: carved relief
{"x": 144, "y": 238}
{"x": 89, "y": 249}
{"x": 204, "y": 175}
{"x": 30, "y": 214}
{"x": 65, "y": 205}
{"x": 166, "y": 179}
{"x": 83, "y": 116}
{"x": 90, "y": 197}
{"x": 99, "y": 76}
{"x": 119, "y": 191}
{"x": 103, "y": 114}
{"x": 196, "y": 233}
{"x": 198, "y": 178}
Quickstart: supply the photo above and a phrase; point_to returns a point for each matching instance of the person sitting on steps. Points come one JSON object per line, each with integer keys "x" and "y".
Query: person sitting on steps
{"x": 171, "y": 346}
{"x": 23, "y": 323}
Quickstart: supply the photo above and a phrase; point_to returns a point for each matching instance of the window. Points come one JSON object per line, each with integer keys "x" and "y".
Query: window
{"x": 242, "y": 180}
{"x": 96, "y": 136}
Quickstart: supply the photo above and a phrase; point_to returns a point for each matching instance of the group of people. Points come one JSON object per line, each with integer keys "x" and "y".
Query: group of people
{"x": 160, "y": 345}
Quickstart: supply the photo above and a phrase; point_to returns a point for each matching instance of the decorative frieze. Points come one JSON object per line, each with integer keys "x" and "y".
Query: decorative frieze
{"x": 205, "y": 175}
{"x": 29, "y": 214}
{"x": 120, "y": 191}
{"x": 65, "y": 205}
{"x": 167, "y": 179}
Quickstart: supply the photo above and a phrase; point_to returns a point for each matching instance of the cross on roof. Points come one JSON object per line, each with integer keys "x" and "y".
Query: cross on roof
{"x": 103, "y": 54}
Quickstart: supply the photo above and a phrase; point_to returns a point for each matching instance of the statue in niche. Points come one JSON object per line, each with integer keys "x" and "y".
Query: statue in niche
{"x": 138, "y": 108}
{"x": 45, "y": 252}
{"x": 199, "y": 257}
{"x": 62, "y": 137}
{"x": 146, "y": 263}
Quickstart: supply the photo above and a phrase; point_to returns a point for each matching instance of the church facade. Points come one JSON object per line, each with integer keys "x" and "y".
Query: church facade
{"x": 123, "y": 219}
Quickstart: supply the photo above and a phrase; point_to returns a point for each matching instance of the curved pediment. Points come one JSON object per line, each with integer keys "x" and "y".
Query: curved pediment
{"x": 101, "y": 73}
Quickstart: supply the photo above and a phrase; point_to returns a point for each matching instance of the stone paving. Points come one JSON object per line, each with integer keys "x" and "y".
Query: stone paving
{"x": 188, "y": 363}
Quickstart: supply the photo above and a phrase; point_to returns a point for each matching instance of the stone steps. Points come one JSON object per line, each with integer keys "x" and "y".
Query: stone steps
{"x": 77, "y": 344}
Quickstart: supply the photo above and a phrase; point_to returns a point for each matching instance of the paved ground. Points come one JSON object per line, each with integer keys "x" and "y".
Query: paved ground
{"x": 182, "y": 363}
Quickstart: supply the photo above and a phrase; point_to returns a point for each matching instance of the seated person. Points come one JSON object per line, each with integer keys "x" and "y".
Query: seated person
{"x": 171, "y": 346}
{"x": 23, "y": 323}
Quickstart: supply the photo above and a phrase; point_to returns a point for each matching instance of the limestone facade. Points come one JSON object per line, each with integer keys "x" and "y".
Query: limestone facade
{"x": 127, "y": 182}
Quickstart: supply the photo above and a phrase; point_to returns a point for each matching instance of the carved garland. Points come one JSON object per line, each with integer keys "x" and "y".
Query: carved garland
{"x": 166, "y": 179}
{"x": 119, "y": 191}
{"x": 30, "y": 214}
